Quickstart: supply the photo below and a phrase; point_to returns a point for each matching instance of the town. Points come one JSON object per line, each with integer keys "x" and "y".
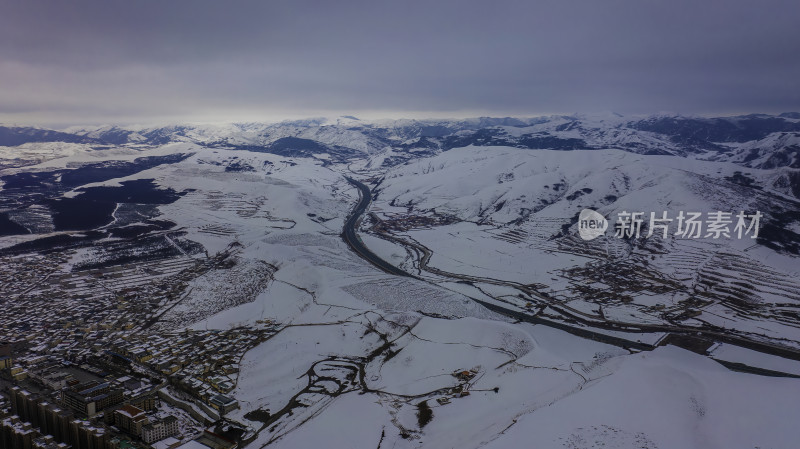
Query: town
{"x": 82, "y": 366}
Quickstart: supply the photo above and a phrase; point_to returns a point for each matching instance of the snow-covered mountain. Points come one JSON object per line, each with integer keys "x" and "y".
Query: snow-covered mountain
{"x": 758, "y": 140}
{"x": 502, "y": 320}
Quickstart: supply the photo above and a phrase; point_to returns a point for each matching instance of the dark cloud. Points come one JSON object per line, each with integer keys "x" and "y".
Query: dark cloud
{"x": 109, "y": 60}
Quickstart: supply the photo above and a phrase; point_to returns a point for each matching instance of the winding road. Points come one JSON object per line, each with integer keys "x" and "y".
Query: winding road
{"x": 351, "y": 238}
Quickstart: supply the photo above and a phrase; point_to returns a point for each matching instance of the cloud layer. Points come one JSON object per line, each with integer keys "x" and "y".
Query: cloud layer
{"x": 146, "y": 61}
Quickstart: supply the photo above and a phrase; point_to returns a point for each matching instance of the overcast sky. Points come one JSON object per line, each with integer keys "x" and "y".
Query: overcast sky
{"x": 136, "y": 61}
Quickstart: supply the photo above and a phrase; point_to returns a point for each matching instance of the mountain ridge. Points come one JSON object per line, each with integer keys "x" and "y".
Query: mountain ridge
{"x": 753, "y": 140}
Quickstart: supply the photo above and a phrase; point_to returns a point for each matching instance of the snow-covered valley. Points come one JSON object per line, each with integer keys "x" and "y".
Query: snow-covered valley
{"x": 508, "y": 330}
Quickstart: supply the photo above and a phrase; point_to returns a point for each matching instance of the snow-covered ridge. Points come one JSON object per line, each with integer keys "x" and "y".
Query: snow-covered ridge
{"x": 756, "y": 140}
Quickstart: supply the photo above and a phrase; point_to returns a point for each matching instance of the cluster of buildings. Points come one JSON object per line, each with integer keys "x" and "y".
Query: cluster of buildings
{"x": 71, "y": 314}
{"x": 403, "y": 222}
{"x": 116, "y": 391}
{"x": 79, "y": 369}
{"x": 67, "y": 423}
{"x": 203, "y": 363}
